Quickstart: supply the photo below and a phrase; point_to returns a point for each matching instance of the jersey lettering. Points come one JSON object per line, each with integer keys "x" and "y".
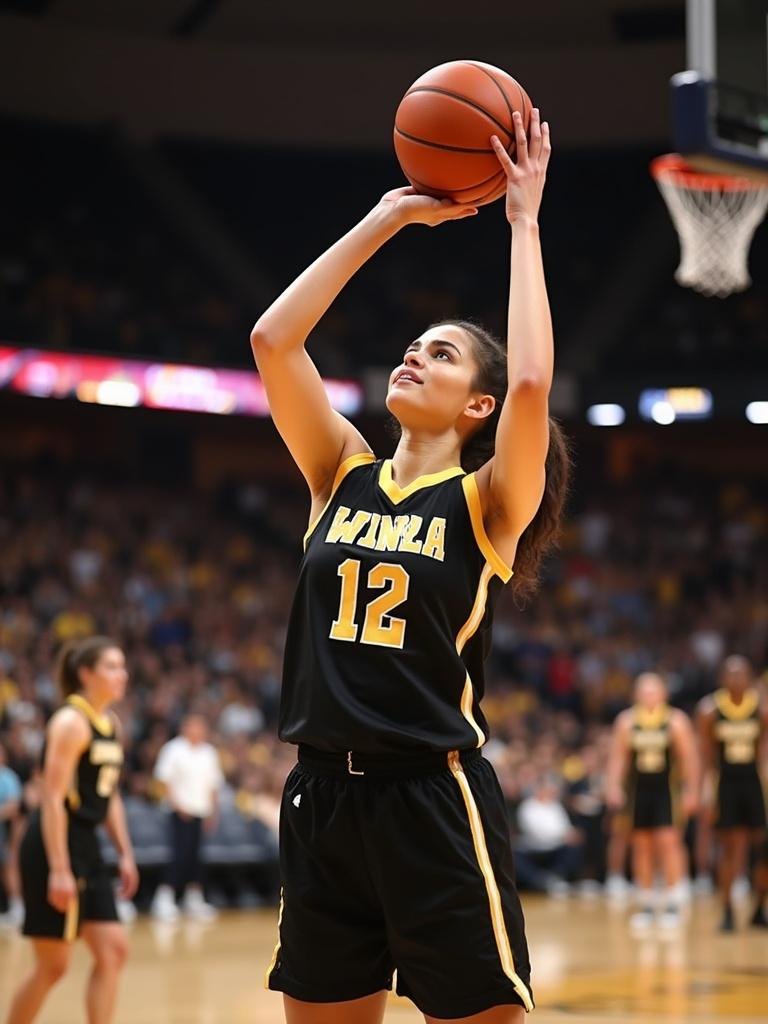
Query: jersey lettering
{"x": 387, "y": 533}
{"x": 739, "y": 740}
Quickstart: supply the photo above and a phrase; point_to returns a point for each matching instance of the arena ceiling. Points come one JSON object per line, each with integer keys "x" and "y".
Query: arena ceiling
{"x": 396, "y": 24}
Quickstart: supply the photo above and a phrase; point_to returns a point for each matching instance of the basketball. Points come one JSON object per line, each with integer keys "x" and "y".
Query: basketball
{"x": 443, "y": 128}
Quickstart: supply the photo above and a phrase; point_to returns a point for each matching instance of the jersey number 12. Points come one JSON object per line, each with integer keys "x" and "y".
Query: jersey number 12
{"x": 379, "y": 627}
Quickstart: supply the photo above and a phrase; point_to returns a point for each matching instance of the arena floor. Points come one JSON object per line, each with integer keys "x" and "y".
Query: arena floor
{"x": 588, "y": 968}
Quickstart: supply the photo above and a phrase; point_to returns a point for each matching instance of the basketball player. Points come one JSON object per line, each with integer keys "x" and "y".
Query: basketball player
{"x": 733, "y": 723}
{"x": 394, "y": 839}
{"x": 653, "y": 743}
{"x": 67, "y": 887}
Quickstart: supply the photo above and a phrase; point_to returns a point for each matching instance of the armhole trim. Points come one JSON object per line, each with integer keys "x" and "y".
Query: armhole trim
{"x": 346, "y": 467}
{"x": 102, "y": 722}
{"x": 494, "y": 559}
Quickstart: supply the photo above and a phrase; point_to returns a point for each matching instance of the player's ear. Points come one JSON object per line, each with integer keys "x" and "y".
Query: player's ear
{"x": 480, "y": 407}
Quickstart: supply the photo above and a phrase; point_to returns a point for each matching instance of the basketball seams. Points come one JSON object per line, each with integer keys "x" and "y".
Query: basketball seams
{"x": 466, "y": 188}
{"x": 463, "y": 99}
{"x": 440, "y": 145}
{"x": 503, "y": 95}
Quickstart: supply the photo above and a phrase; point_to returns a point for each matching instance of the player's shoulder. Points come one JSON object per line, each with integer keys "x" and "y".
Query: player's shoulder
{"x": 67, "y": 723}
{"x": 625, "y": 718}
{"x": 679, "y": 718}
{"x": 707, "y": 706}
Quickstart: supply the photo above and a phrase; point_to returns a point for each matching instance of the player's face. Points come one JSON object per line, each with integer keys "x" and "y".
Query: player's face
{"x": 736, "y": 675}
{"x": 432, "y": 388}
{"x": 105, "y": 683}
{"x": 650, "y": 692}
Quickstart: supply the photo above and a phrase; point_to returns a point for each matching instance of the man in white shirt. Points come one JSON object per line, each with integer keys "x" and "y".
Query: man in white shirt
{"x": 548, "y": 850}
{"x": 188, "y": 767}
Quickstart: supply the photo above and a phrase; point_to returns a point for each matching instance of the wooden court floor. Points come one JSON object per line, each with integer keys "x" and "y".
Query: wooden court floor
{"x": 588, "y": 968}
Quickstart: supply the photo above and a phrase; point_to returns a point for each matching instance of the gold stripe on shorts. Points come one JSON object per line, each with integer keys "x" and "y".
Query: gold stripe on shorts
{"x": 276, "y": 951}
{"x": 486, "y": 869}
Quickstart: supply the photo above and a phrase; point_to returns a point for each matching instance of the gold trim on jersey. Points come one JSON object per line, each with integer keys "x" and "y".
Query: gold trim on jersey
{"x": 396, "y": 494}
{"x": 650, "y": 718}
{"x": 466, "y": 632}
{"x": 492, "y": 889}
{"x": 276, "y": 950}
{"x": 361, "y": 459}
{"x": 472, "y": 496}
{"x": 101, "y": 722}
{"x": 726, "y": 705}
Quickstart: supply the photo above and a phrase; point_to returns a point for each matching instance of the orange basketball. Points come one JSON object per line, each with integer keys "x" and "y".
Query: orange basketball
{"x": 443, "y": 128}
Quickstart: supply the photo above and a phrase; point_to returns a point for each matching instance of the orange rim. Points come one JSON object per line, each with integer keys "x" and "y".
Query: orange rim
{"x": 673, "y": 168}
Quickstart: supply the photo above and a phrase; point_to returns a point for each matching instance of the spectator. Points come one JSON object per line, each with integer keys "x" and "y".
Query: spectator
{"x": 10, "y": 802}
{"x": 548, "y": 850}
{"x": 188, "y": 768}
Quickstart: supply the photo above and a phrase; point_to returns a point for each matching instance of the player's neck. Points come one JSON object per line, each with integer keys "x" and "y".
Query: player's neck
{"x": 94, "y": 703}
{"x": 420, "y": 455}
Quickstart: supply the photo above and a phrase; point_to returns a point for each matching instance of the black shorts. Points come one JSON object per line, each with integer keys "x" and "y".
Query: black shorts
{"x": 740, "y": 801}
{"x": 411, "y": 873}
{"x": 651, "y": 805}
{"x": 95, "y": 900}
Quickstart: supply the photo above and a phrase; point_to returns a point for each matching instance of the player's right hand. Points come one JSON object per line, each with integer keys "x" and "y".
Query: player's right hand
{"x": 62, "y": 889}
{"x": 408, "y": 206}
{"x": 614, "y": 799}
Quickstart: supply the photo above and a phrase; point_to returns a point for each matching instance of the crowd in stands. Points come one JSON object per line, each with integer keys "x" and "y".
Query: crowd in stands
{"x": 197, "y": 588}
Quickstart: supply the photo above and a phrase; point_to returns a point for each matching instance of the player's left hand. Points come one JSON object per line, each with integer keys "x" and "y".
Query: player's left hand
{"x": 129, "y": 876}
{"x": 527, "y": 172}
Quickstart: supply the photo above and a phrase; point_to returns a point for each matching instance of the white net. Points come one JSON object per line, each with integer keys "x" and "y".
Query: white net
{"x": 715, "y": 219}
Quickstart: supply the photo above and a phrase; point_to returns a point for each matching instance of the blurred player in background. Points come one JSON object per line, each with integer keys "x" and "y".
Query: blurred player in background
{"x": 733, "y": 728}
{"x": 653, "y": 754}
{"x": 67, "y": 886}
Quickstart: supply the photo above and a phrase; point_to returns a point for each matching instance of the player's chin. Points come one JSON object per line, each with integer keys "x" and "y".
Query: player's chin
{"x": 403, "y": 397}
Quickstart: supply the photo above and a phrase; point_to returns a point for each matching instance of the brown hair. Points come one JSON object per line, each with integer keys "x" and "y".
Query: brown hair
{"x": 542, "y": 533}
{"x": 77, "y": 654}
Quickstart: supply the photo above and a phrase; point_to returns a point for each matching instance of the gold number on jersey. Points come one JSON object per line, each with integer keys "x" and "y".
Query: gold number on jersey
{"x": 379, "y": 627}
{"x": 739, "y": 751}
{"x": 344, "y": 626}
{"x": 650, "y": 760}
{"x": 106, "y": 780}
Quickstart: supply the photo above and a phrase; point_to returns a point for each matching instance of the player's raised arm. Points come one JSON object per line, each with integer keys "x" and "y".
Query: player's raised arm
{"x": 516, "y": 472}
{"x": 318, "y": 438}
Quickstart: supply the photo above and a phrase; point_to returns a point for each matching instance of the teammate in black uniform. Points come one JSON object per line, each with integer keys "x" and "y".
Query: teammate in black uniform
{"x": 67, "y": 887}
{"x": 654, "y": 755}
{"x": 733, "y": 723}
{"x": 394, "y": 844}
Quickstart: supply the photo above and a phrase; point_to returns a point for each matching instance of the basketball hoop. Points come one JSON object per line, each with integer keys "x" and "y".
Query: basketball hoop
{"x": 716, "y": 216}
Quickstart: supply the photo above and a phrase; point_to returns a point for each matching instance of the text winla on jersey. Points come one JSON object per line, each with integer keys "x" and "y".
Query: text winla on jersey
{"x": 388, "y": 533}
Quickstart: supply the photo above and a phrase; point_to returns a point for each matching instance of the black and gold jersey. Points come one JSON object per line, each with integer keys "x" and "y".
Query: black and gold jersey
{"x": 650, "y": 745}
{"x": 737, "y": 732}
{"x": 391, "y": 620}
{"x": 98, "y": 771}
